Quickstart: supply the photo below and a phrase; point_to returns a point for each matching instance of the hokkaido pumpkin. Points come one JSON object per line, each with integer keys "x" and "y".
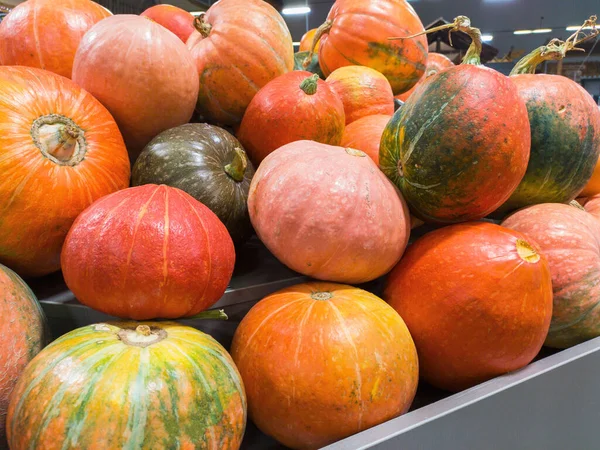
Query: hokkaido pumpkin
{"x": 436, "y": 62}
{"x": 24, "y": 334}
{"x": 61, "y": 150}
{"x": 340, "y": 218}
{"x": 293, "y": 107}
{"x": 46, "y": 33}
{"x": 365, "y": 134}
{"x": 364, "y": 92}
{"x": 570, "y": 238}
{"x": 149, "y": 85}
{"x": 322, "y": 361}
{"x": 129, "y": 385}
{"x": 477, "y": 299}
{"x": 239, "y": 47}
{"x": 357, "y": 32}
{"x": 307, "y": 40}
{"x": 146, "y": 252}
{"x": 459, "y": 148}
{"x": 174, "y": 19}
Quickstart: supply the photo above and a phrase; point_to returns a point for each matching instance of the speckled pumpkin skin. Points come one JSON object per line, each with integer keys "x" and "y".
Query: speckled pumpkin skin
{"x": 570, "y": 238}
{"x": 91, "y": 390}
{"x": 365, "y": 134}
{"x": 436, "y": 62}
{"x": 24, "y": 334}
{"x": 459, "y": 147}
{"x": 317, "y": 371}
{"x": 475, "y": 308}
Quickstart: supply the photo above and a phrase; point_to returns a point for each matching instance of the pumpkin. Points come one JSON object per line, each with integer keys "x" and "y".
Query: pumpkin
{"x": 323, "y": 361}
{"x": 61, "y": 150}
{"x": 206, "y": 162}
{"x": 591, "y": 205}
{"x": 174, "y": 19}
{"x": 46, "y": 33}
{"x": 570, "y": 238}
{"x": 592, "y": 188}
{"x": 239, "y": 47}
{"x": 357, "y": 32}
{"x": 340, "y": 218}
{"x": 365, "y": 134}
{"x": 313, "y": 67}
{"x": 477, "y": 299}
{"x": 436, "y": 62}
{"x": 146, "y": 252}
{"x": 306, "y": 41}
{"x": 459, "y": 147}
{"x": 24, "y": 334}
{"x": 364, "y": 92}
{"x": 129, "y": 385}
{"x": 293, "y": 107}
{"x": 149, "y": 85}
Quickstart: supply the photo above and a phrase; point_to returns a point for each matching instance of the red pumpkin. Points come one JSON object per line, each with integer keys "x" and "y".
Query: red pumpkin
{"x": 293, "y": 107}
{"x": 148, "y": 82}
{"x": 477, "y": 299}
{"x": 340, "y": 218}
{"x": 365, "y": 134}
{"x": 322, "y": 361}
{"x": 24, "y": 334}
{"x": 307, "y": 41}
{"x": 436, "y": 62}
{"x": 147, "y": 252}
{"x": 174, "y": 19}
{"x": 364, "y": 92}
{"x": 46, "y": 33}
{"x": 240, "y": 46}
{"x": 61, "y": 150}
{"x": 570, "y": 238}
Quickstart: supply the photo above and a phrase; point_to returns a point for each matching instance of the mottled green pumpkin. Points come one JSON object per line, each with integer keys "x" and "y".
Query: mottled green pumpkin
{"x": 208, "y": 163}
{"x": 313, "y": 67}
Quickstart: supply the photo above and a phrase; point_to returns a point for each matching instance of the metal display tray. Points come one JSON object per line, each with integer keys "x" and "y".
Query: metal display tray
{"x": 553, "y": 403}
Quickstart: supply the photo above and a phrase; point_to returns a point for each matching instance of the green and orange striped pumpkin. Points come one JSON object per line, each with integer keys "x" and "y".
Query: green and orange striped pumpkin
{"x": 129, "y": 385}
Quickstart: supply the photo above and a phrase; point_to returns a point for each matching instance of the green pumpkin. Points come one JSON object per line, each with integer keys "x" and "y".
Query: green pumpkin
{"x": 313, "y": 67}
{"x": 208, "y": 163}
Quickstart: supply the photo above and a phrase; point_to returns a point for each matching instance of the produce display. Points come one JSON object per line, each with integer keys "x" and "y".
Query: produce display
{"x": 436, "y": 62}
{"x": 365, "y": 134}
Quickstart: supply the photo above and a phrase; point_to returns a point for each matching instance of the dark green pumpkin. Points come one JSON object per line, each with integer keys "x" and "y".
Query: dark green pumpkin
{"x": 208, "y": 163}
{"x": 313, "y": 67}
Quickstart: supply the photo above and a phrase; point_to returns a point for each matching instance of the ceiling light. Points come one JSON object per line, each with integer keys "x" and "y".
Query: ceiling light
{"x": 296, "y": 10}
{"x": 576, "y": 27}
{"x": 197, "y": 13}
{"x": 543, "y": 30}
{"x": 522, "y": 32}
{"x": 296, "y": 44}
{"x": 487, "y": 38}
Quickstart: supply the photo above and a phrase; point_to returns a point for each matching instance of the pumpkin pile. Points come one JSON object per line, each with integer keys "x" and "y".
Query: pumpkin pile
{"x": 104, "y": 178}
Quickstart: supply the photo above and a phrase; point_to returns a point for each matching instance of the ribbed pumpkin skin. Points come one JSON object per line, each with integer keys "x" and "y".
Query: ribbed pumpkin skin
{"x": 359, "y": 36}
{"x": 147, "y": 252}
{"x": 248, "y": 46}
{"x": 91, "y": 390}
{"x": 364, "y": 92}
{"x": 148, "y": 83}
{"x": 282, "y": 112}
{"x": 192, "y": 157}
{"x": 436, "y": 62}
{"x": 339, "y": 220}
{"x": 307, "y": 41}
{"x": 484, "y": 314}
{"x": 565, "y": 140}
{"x": 365, "y": 134}
{"x": 39, "y": 197}
{"x": 318, "y": 370}
{"x": 24, "y": 334}
{"x": 46, "y": 33}
{"x": 459, "y": 147}
{"x": 174, "y": 19}
{"x": 570, "y": 238}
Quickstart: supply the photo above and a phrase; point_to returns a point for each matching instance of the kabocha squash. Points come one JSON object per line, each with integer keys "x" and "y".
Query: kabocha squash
{"x": 307, "y": 40}
{"x": 61, "y": 150}
{"x": 46, "y": 33}
{"x": 365, "y": 134}
{"x": 206, "y": 162}
{"x": 293, "y": 107}
{"x": 340, "y": 218}
{"x": 477, "y": 299}
{"x": 129, "y": 385}
{"x": 364, "y": 92}
{"x": 174, "y": 19}
{"x": 148, "y": 252}
{"x": 24, "y": 334}
{"x": 149, "y": 85}
{"x": 313, "y": 67}
{"x": 240, "y": 46}
{"x": 570, "y": 238}
{"x": 436, "y": 62}
{"x": 459, "y": 148}
{"x": 322, "y": 361}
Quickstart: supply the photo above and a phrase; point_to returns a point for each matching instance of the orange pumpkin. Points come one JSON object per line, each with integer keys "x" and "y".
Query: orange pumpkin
{"x": 364, "y": 92}
{"x": 239, "y": 47}
{"x": 365, "y": 134}
{"x": 435, "y": 63}
{"x": 593, "y": 186}
{"x": 307, "y": 41}
{"x": 61, "y": 150}
{"x": 46, "y": 33}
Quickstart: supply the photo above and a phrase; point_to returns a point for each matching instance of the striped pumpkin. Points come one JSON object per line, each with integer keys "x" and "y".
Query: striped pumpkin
{"x": 129, "y": 385}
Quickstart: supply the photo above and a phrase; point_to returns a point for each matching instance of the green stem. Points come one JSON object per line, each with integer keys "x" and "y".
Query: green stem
{"x": 528, "y": 63}
{"x": 201, "y": 26}
{"x": 215, "y": 314}
{"x": 473, "y": 55}
{"x": 309, "y": 84}
{"x": 237, "y": 167}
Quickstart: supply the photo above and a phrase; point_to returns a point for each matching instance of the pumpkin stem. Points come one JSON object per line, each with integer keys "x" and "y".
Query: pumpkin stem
{"x": 59, "y": 139}
{"x": 237, "y": 167}
{"x": 321, "y": 295}
{"x": 143, "y": 336}
{"x": 215, "y": 314}
{"x": 324, "y": 28}
{"x": 576, "y": 204}
{"x": 527, "y": 252}
{"x": 309, "y": 84}
{"x": 201, "y": 26}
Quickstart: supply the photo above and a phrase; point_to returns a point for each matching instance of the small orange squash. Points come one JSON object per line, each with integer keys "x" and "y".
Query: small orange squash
{"x": 365, "y": 134}
{"x": 307, "y": 41}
